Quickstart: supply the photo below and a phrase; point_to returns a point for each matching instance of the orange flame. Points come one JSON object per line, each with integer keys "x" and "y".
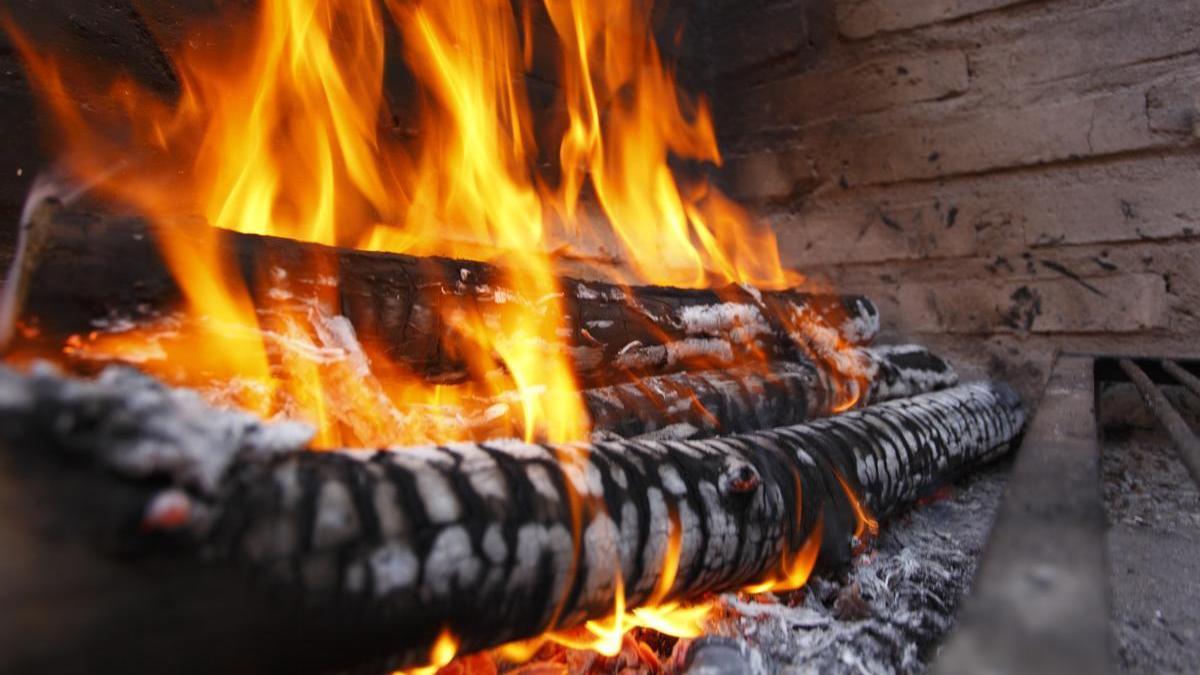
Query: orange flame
{"x": 440, "y": 655}
{"x": 279, "y": 134}
{"x": 281, "y": 128}
{"x": 794, "y": 567}
{"x": 865, "y": 524}
{"x": 656, "y": 613}
{"x": 626, "y": 119}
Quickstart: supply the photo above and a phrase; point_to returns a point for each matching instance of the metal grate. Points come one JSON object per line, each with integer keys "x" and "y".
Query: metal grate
{"x": 1166, "y": 371}
{"x": 1041, "y": 599}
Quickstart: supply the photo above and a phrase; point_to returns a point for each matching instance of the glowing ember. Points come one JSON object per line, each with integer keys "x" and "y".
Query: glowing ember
{"x": 443, "y": 652}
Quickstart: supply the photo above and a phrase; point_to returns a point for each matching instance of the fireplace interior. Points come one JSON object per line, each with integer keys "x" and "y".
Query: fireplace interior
{"x": 566, "y": 336}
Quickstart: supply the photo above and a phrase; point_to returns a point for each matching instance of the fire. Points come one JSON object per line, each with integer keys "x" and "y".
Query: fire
{"x": 795, "y": 567}
{"x": 281, "y": 127}
{"x": 865, "y": 524}
{"x": 444, "y": 650}
{"x": 657, "y": 613}
{"x": 279, "y": 133}
{"x": 626, "y": 117}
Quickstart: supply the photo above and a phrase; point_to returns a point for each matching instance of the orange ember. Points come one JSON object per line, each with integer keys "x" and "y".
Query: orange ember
{"x": 281, "y": 127}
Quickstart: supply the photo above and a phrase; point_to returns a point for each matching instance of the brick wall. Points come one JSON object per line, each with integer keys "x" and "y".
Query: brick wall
{"x": 1004, "y": 176}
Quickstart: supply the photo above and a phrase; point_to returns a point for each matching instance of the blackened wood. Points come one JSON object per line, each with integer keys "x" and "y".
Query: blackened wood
{"x": 77, "y": 271}
{"x": 316, "y": 561}
{"x": 739, "y": 400}
{"x": 1040, "y": 601}
{"x": 480, "y": 538}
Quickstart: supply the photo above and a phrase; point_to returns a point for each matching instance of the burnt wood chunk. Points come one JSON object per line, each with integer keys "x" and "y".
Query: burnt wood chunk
{"x": 321, "y": 560}
{"x": 744, "y": 399}
{"x": 78, "y": 271}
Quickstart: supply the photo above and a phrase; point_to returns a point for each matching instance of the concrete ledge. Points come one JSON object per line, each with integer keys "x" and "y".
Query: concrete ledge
{"x": 1040, "y": 603}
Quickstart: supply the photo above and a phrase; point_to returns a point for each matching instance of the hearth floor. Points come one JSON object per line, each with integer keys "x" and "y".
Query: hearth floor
{"x": 1153, "y": 511}
{"x": 892, "y": 609}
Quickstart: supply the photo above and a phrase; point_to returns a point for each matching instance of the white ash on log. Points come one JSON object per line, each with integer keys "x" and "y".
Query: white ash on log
{"x": 65, "y": 281}
{"x": 386, "y": 549}
{"x": 889, "y": 610}
{"x": 673, "y": 406}
{"x": 738, "y": 400}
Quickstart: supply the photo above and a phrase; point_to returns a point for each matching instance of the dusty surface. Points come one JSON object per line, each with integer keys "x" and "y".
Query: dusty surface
{"x": 1154, "y": 552}
{"x": 891, "y": 610}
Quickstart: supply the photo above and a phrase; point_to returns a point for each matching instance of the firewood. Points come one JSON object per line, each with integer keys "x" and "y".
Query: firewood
{"x": 739, "y": 400}
{"x": 78, "y": 271}
{"x": 312, "y": 561}
{"x": 702, "y": 404}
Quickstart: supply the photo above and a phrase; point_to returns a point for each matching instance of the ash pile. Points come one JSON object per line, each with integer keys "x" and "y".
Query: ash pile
{"x": 887, "y": 613}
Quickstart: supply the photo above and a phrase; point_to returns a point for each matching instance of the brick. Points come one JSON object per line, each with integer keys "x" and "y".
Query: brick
{"x": 871, "y": 230}
{"x": 1174, "y": 107}
{"x": 1149, "y": 198}
{"x": 745, "y": 37}
{"x": 863, "y": 18}
{"x": 1153, "y": 199}
{"x": 770, "y": 176}
{"x": 1128, "y": 200}
{"x": 876, "y": 85}
{"x": 1009, "y": 138}
{"x": 846, "y": 153}
{"x": 1114, "y": 304}
{"x": 1063, "y": 44}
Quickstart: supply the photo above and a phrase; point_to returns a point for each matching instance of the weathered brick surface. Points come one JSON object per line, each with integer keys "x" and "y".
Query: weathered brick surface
{"x": 1075, "y": 128}
{"x": 1153, "y": 198}
{"x": 1134, "y": 200}
{"x": 1102, "y": 274}
{"x": 864, "y": 18}
{"x": 878, "y": 84}
{"x": 1054, "y": 46}
{"x": 772, "y": 175}
{"x": 763, "y": 35}
{"x": 900, "y": 146}
{"x": 1122, "y": 304}
{"x": 823, "y": 233}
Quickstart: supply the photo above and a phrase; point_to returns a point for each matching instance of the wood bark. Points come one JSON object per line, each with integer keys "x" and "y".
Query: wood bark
{"x": 314, "y": 561}
{"x": 739, "y": 400}
{"x": 79, "y": 271}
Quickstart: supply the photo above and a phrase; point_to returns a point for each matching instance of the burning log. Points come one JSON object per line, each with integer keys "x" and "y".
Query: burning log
{"x": 388, "y": 550}
{"x": 78, "y": 272}
{"x": 740, "y": 400}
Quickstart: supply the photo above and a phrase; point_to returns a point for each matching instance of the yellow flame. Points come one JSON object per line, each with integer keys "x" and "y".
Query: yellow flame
{"x": 794, "y": 566}
{"x": 626, "y": 120}
{"x": 284, "y": 130}
{"x": 865, "y": 524}
{"x": 606, "y": 635}
{"x": 280, "y": 134}
{"x": 445, "y": 648}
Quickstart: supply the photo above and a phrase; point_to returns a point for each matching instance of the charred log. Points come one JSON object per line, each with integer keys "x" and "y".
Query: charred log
{"x": 79, "y": 271}
{"x": 739, "y": 400}
{"x": 364, "y": 555}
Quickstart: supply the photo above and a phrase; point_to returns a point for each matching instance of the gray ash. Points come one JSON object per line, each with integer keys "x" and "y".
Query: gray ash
{"x": 1154, "y": 552}
{"x": 891, "y": 610}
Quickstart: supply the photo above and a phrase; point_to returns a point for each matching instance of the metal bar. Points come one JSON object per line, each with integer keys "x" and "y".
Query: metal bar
{"x": 1108, "y": 368}
{"x": 1039, "y": 604}
{"x": 1185, "y": 441}
{"x": 1183, "y": 376}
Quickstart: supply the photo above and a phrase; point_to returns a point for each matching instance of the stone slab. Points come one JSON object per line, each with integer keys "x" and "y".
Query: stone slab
{"x": 1040, "y": 602}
